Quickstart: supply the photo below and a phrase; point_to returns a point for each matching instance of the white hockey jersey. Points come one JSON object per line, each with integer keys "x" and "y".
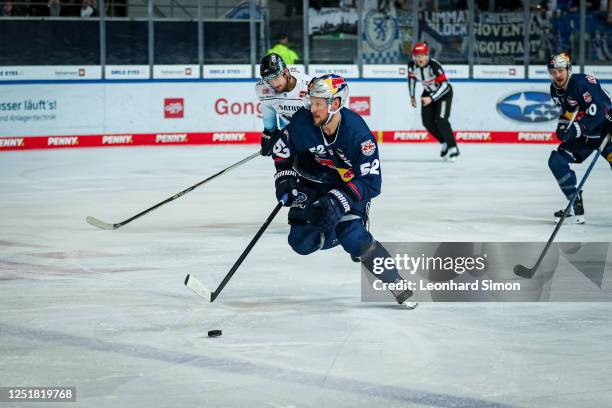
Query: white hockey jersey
{"x": 278, "y": 108}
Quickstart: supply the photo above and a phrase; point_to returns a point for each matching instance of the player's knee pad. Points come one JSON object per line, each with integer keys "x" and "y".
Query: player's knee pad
{"x": 305, "y": 239}
{"x": 558, "y": 162}
{"x": 354, "y": 236}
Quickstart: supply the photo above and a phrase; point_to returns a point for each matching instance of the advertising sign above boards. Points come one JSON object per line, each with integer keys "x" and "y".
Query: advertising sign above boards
{"x": 127, "y": 72}
{"x": 68, "y": 72}
{"x": 399, "y": 71}
{"x": 176, "y": 71}
{"x": 481, "y": 112}
{"x": 346, "y": 71}
{"x": 227, "y": 71}
{"x": 599, "y": 71}
{"x": 499, "y": 72}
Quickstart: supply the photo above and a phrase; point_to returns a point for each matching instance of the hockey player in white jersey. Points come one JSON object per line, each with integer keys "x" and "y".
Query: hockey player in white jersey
{"x": 281, "y": 92}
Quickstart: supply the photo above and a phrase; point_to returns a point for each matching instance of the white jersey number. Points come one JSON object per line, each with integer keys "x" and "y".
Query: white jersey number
{"x": 370, "y": 168}
{"x": 281, "y": 150}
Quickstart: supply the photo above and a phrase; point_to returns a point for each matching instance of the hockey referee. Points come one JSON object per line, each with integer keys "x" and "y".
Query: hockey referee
{"x": 436, "y": 98}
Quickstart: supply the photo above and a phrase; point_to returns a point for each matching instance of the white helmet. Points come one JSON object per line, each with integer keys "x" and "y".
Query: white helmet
{"x": 559, "y": 60}
{"x": 330, "y": 87}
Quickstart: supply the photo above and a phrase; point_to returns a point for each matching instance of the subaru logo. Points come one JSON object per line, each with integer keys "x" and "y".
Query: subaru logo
{"x": 528, "y": 107}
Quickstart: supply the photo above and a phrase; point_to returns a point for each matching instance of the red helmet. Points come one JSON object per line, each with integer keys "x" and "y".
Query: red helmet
{"x": 420, "y": 49}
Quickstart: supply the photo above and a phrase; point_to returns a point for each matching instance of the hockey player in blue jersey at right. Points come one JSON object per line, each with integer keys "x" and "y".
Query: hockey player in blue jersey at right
{"x": 327, "y": 163}
{"x": 583, "y": 95}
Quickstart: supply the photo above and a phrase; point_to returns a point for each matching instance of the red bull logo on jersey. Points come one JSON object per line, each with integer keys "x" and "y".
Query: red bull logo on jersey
{"x": 346, "y": 174}
{"x": 326, "y": 162}
{"x": 568, "y": 115}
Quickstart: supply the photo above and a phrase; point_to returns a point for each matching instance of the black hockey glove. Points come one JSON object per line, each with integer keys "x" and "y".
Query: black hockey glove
{"x": 268, "y": 139}
{"x": 567, "y": 132}
{"x": 286, "y": 182}
{"x": 328, "y": 209}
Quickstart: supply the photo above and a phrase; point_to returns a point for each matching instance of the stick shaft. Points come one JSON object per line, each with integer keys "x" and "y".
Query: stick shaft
{"x": 187, "y": 190}
{"x": 571, "y": 203}
{"x": 246, "y": 251}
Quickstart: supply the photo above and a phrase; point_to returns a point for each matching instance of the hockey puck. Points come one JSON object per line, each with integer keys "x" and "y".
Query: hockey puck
{"x": 214, "y": 333}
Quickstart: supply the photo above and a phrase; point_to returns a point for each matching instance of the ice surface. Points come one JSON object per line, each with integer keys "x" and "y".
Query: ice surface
{"x": 107, "y": 312}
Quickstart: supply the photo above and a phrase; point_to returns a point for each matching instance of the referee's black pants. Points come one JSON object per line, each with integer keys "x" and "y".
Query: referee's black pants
{"x": 435, "y": 119}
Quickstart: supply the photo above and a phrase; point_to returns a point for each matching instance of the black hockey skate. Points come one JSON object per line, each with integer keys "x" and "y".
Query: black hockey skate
{"x": 402, "y": 296}
{"x": 453, "y": 153}
{"x": 443, "y": 151}
{"x": 576, "y": 213}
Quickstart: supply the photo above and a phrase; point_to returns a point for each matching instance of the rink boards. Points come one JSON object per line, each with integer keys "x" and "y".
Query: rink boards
{"x": 43, "y": 114}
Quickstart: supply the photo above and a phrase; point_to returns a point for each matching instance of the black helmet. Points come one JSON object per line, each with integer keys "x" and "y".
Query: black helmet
{"x": 272, "y": 65}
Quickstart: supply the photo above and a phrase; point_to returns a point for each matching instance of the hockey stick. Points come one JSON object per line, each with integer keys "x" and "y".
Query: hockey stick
{"x": 528, "y": 273}
{"x": 107, "y": 226}
{"x": 192, "y": 283}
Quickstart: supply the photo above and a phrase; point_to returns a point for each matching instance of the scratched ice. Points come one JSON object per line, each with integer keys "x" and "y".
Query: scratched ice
{"x": 107, "y": 312}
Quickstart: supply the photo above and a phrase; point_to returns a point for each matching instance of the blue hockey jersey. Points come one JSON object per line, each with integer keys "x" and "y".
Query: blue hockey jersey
{"x": 350, "y": 161}
{"x": 584, "y": 94}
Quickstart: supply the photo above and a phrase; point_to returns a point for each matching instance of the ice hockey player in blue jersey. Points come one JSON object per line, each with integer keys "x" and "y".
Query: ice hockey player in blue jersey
{"x": 327, "y": 163}
{"x": 583, "y": 96}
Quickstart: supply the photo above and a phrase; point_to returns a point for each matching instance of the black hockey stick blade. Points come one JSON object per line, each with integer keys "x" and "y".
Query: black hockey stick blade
{"x": 523, "y": 271}
{"x": 101, "y": 224}
{"x": 528, "y": 273}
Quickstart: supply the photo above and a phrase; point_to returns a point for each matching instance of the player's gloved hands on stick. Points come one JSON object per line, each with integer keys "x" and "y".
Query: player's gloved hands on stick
{"x": 561, "y": 131}
{"x": 328, "y": 209}
{"x": 286, "y": 182}
{"x": 268, "y": 139}
{"x": 565, "y": 132}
